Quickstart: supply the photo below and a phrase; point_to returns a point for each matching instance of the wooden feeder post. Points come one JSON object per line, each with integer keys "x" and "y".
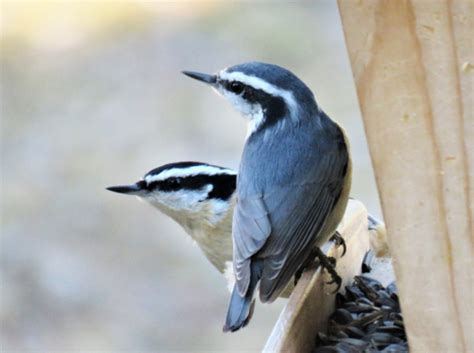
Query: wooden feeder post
{"x": 413, "y": 66}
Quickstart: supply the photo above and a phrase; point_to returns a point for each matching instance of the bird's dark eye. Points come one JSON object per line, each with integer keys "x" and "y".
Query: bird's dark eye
{"x": 236, "y": 87}
{"x": 173, "y": 182}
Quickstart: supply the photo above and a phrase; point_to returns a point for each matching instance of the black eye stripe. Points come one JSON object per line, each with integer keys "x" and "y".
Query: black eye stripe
{"x": 223, "y": 185}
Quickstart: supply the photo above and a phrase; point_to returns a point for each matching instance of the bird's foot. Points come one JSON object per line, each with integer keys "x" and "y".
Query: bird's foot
{"x": 331, "y": 260}
{"x": 339, "y": 241}
{"x": 329, "y": 263}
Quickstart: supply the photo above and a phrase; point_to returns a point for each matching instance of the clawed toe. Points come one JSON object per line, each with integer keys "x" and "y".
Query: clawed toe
{"x": 339, "y": 241}
{"x": 337, "y": 280}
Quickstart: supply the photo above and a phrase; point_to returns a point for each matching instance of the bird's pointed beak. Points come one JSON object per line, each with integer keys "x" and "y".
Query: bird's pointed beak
{"x": 134, "y": 189}
{"x": 206, "y": 78}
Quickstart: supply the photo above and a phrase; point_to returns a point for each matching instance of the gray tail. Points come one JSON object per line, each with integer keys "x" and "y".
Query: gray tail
{"x": 241, "y": 308}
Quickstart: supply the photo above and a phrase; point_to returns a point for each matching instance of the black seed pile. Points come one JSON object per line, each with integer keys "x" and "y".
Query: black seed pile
{"x": 367, "y": 319}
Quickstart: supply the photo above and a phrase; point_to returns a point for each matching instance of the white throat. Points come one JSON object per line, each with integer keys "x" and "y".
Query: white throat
{"x": 254, "y": 111}
{"x": 208, "y": 222}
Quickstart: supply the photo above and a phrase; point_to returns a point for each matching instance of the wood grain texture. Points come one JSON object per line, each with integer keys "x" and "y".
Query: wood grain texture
{"x": 412, "y": 65}
{"x": 311, "y": 303}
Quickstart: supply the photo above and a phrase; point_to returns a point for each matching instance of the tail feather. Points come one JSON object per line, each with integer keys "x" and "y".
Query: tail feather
{"x": 241, "y": 308}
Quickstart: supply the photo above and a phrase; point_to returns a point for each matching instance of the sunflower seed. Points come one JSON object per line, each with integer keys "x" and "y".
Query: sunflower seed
{"x": 354, "y": 332}
{"x": 341, "y": 316}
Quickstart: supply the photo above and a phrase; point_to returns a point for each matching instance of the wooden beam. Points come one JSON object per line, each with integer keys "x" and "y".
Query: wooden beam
{"x": 412, "y": 63}
{"x": 312, "y": 301}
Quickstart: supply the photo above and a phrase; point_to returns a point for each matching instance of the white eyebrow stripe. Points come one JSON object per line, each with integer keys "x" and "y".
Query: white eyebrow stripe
{"x": 186, "y": 172}
{"x": 258, "y": 83}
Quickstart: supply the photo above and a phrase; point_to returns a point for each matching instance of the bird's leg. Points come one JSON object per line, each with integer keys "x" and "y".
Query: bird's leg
{"x": 339, "y": 240}
{"x": 307, "y": 263}
{"x": 329, "y": 263}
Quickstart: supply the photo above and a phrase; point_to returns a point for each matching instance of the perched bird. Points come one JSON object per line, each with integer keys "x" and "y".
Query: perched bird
{"x": 293, "y": 182}
{"x": 201, "y": 197}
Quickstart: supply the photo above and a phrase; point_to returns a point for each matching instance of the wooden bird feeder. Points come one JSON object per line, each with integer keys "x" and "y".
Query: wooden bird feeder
{"x": 413, "y": 67}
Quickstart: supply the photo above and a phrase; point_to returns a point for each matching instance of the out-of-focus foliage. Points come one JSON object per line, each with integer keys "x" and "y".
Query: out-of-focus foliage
{"x": 91, "y": 96}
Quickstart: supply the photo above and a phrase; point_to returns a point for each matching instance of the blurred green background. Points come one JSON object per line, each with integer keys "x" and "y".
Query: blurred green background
{"x": 92, "y": 96}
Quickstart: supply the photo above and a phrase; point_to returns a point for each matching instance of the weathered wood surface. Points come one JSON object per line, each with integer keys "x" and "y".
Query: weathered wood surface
{"x": 312, "y": 301}
{"x": 413, "y": 66}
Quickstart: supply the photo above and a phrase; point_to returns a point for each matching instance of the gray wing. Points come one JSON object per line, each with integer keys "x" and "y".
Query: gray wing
{"x": 294, "y": 231}
{"x": 251, "y": 228}
{"x": 280, "y": 224}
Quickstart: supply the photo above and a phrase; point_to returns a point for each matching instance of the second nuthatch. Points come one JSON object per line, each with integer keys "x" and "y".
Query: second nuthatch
{"x": 199, "y": 197}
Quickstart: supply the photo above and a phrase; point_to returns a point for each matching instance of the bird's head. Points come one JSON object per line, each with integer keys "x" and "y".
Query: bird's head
{"x": 186, "y": 191}
{"x": 264, "y": 93}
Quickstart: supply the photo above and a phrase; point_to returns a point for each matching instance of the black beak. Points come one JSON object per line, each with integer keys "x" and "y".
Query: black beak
{"x": 206, "y": 78}
{"x": 134, "y": 189}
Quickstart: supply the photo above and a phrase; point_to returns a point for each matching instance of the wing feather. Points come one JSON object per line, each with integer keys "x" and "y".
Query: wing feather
{"x": 251, "y": 227}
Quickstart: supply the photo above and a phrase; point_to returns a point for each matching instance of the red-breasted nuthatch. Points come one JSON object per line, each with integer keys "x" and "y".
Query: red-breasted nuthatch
{"x": 293, "y": 182}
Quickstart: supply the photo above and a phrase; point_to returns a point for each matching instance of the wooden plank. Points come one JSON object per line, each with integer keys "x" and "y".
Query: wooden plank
{"x": 311, "y": 303}
{"x": 410, "y": 61}
{"x": 462, "y": 14}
